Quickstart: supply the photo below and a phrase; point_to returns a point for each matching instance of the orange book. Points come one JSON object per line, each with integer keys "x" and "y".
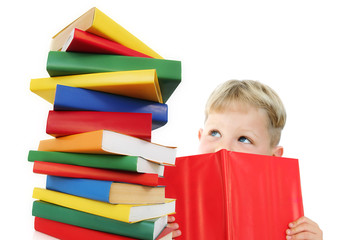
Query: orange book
{"x": 110, "y": 142}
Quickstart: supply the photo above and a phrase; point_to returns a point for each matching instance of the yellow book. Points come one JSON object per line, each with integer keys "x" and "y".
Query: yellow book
{"x": 122, "y": 212}
{"x": 142, "y": 84}
{"x": 96, "y": 22}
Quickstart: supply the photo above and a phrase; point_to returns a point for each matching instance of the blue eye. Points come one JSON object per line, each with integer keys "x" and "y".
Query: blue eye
{"x": 244, "y": 140}
{"x": 215, "y": 133}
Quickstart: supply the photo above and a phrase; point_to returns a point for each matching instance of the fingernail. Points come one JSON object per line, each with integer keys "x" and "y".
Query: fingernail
{"x": 288, "y": 237}
{"x": 291, "y": 224}
{"x": 288, "y": 231}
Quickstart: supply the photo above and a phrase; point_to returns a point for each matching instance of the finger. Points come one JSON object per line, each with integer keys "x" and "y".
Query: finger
{"x": 304, "y": 227}
{"x": 300, "y": 221}
{"x": 176, "y": 233}
{"x": 302, "y": 236}
{"x": 173, "y": 225}
{"x": 170, "y": 219}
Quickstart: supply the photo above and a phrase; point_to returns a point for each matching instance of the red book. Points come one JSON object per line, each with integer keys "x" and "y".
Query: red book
{"x": 81, "y": 41}
{"x": 62, "y": 123}
{"x": 234, "y": 196}
{"x": 67, "y": 170}
{"x": 70, "y": 232}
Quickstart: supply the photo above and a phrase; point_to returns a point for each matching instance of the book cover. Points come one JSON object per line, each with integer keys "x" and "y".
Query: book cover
{"x": 122, "y": 212}
{"x": 73, "y": 171}
{"x": 98, "y": 23}
{"x": 63, "y": 123}
{"x": 79, "y": 99}
{"x": 109, "y": 142}
{"x": 147, "y": 230}
{"x": 141, "y": 84}
{"x": 230, "y": 195}
{"x": 115, "y": 162}
{"x": 71, "y": 232}
{"x": 82, "y": 41}
{"x": 70, "y": 63}
{"x": 107, "y": 191}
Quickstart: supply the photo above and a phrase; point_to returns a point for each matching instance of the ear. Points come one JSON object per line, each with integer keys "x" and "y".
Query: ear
{"x": 278, "y": 151}
{"x": 200, "y": 133}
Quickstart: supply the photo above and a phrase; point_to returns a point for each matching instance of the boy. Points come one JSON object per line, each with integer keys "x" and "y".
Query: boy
{"x": 247, "y": 116}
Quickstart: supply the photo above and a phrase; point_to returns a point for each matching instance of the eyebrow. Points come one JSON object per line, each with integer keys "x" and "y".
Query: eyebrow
{"x": 251, "y": 132}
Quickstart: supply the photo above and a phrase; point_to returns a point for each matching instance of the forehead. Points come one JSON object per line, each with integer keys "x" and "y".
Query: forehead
{"x": 239, "y": 114}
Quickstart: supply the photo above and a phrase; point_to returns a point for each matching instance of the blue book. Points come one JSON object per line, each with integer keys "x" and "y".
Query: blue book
{"x": 107, "y": 191}
{"x": 75, "y": 99}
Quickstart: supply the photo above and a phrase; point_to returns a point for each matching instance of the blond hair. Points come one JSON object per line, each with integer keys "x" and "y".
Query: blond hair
{"x": 255, "y": 94}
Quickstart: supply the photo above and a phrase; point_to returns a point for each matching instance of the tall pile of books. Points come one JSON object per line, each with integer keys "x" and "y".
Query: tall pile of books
{"x": 108, "y": 91}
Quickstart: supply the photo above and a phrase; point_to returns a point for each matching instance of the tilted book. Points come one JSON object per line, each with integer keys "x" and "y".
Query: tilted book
{"x": 147, "y": 230}
{"x": 122, "y": 212}
{"x": 109, "y": 142}
{"x": 234, "y": 196}
{"x": 62, "y": 123}
{"x": 83, "y": 41}
{"x": 141, "y": 84}
{"x": 107, "y": 191}
{"x": 116, "y": 162}
{"x": 79, "y": 99}
{"x": 98, "y": 23}
{"x": 71, "y": 232}
{"x": 70, "y": 63}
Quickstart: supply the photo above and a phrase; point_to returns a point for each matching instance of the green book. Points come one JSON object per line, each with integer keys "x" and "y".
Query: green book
{"x": 69, "y": 63}
{"x": 148, "y": 229}
{"x": 116, "y": 162}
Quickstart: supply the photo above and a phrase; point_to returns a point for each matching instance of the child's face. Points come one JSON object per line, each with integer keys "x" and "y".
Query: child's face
{"x": 243, "y": 128}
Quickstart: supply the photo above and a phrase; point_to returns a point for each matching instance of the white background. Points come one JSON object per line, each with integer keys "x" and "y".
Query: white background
{"x": 300, "y": 48}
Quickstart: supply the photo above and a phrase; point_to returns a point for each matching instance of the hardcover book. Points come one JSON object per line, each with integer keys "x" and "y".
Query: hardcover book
{"x": 147, "y": 230}
{"x": 109, "y": 142}
{"x": 122, "y": 212}
{"x": 79, "y": 99}
{"x": 70, "y": 63}
{"x": 98, "y": 23}
{"x": 70, "y": 232}
{"x": 63, "y": 123}
{"x": 116, "y": 162}
{"x": 73, "y": 171}
{"x": 234, "y": 196}
{"x": 107, "y": 191}
{"x": 141, "y": 84}
{"x": 82, "y": 41}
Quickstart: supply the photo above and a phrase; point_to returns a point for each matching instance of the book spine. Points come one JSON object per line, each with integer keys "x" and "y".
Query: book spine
{"x": 140, "y": 84}
{"x": 88, "y": 188}
{"x": 117, "y": 162}
{"x": 82, "y": 41}
{"x": 120, "y": 212}
{"x": 69, "y": 63}
{"x": 65, "y": 170}
{"x": 62, "y": 123}
{"x": 78, "y": 99}
{"x": 226, "y": 175}
{"x": 140, "y": 230}
{"x": 70, "y": 232}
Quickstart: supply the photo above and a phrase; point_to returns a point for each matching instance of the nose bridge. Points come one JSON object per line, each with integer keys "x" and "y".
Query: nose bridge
{"x": 225, "y": 144}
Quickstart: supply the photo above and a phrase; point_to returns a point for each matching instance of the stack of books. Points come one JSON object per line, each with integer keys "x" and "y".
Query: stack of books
{"x": 109, "y": 91}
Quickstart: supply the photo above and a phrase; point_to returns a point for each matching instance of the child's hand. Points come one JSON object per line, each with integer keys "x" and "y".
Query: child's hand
{"x": 175, "y": 226}
{"x": 304, "y": 228}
